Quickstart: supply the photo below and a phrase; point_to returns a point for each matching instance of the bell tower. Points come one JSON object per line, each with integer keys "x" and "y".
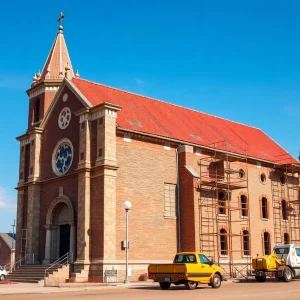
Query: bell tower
{"x": 46, "y": 83}
{"x": 41, "y": 93}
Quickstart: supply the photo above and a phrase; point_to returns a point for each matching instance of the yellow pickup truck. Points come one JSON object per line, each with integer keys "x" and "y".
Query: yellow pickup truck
{"x": 188, "y": 268}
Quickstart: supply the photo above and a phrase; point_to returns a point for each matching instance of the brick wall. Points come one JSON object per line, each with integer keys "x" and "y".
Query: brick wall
{"x": 5, "y": 253}
{"x": 144, "y": 167}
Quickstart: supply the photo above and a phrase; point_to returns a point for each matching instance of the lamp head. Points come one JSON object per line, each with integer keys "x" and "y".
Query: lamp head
{"x": 127, "y": 205}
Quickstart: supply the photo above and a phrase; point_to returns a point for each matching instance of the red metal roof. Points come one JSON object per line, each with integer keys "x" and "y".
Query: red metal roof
{"x": 146, "y": 115}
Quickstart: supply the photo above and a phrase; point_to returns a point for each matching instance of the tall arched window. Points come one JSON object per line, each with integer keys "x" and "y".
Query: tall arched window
{"x": 264, "y": 208}
{"x": 222, "y": 203}
{"x": 246, "y": 244}
{"x": 244, "y": 206}
{"x": 37, "y": 111}
{"x": 286, "y": 238}
{"x": 267, "y": 243}
{"x": 223, "y": 242}
{"x": 283, "y": 210}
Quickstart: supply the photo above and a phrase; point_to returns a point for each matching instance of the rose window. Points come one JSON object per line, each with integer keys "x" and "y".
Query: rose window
{"x": 62, "y": 157}
{"x": 64, "y": 118}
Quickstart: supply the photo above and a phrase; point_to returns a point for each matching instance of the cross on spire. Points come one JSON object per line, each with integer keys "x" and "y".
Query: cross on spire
{"x": 61, "y": 16}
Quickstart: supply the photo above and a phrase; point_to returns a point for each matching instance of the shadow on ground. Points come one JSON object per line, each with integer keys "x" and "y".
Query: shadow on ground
{"x": 268, "y": 280}
{"x": 172, "y": 287}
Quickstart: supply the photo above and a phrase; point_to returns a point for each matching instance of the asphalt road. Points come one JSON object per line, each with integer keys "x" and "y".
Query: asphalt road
{"x": 268, "y": 290}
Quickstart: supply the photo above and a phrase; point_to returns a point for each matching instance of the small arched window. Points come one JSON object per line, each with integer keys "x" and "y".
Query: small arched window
{"x": 223, "y": 242}
{"x": 244, "y": 206}
{"x": 222, "y": 203}
{"x": 283, "y": 210}
{"x": 286, "y": 238}
{"x": 37, "y": 110}
{"x": 267, "y": 243}
{"x": 246, "y": 244}
{"x": 264, "y": 208}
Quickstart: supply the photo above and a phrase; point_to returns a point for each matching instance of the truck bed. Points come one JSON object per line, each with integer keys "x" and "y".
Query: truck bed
{"x": 167, "y": 272}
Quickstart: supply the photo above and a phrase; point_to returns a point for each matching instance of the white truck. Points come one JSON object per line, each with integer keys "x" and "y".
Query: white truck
{"x": 3, "y": 273}
{"x": 284, "y": 263}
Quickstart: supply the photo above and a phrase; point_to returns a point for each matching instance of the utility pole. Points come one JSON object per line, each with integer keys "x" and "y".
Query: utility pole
{"x": 13, "y": 243}
{"x": 13, "y": 237}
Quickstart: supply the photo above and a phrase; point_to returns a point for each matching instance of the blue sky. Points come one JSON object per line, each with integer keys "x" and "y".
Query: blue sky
{"x": 235, "y": 59}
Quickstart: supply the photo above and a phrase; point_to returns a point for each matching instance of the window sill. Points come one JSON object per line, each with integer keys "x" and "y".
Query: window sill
{"x": 242, "y": 217}
{"x": 170, "y": 217}
{"x": 222, "y": 215}
{"x": 264, "y": 219}
{"x": 223, "y": 256}
{"x": 246, "y": 256}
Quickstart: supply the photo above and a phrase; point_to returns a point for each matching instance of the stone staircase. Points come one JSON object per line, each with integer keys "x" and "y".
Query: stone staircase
{"x": 31, "y": 273}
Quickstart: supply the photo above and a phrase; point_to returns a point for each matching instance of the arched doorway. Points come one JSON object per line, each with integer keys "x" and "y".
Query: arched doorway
{"x": 60, "y": 230}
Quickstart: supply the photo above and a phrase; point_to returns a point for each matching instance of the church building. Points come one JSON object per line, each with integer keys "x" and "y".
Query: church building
{"x": 196, "y": 182}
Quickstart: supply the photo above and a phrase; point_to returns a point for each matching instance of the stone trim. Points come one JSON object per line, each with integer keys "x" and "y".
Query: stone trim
{"x": 25, "y": 142}
{"x": 39, "y": 91}
{"x": 97, "y": 115}
{"x": 61, "y": 199}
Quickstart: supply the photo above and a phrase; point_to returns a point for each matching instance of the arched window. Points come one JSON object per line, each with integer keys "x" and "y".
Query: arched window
{"x": 37, "y": 104}
{"x": 244, "y": 206}
{"x": 283, "y": 210}
{"x": 286, "y": 238}
{"x": 246, "y": 244}
{"x": 267, "y": 243}
{"x": 264, "y": 208}
{"x": 223, "y": 242}
{"x": 222, "y": 203}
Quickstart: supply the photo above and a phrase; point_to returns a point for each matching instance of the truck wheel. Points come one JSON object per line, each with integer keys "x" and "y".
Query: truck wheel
{"x": 164, "y": 285}
{"x": 261, "y": 278}
{"x": 287, "y": 274}
{"x": 216, "y": 281}
{"x": 191, "y": 285}
{"x": 2, "y": 277}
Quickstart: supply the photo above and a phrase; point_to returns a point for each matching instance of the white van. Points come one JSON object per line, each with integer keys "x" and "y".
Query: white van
{"x": 3, "y": 273}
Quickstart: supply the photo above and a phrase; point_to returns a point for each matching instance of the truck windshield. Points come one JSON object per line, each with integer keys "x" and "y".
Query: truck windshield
{"x": 282, "y": 250}
{"x": 185, "y": 258}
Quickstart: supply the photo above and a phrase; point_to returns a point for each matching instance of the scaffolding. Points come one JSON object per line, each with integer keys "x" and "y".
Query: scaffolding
{"x": 286, "y": 200}
{"x": 224, "y": 215}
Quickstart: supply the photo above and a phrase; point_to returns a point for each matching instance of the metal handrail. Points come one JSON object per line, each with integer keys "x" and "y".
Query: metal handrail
{"x": 18, "y": 263}
{"x": 63, "y": 260}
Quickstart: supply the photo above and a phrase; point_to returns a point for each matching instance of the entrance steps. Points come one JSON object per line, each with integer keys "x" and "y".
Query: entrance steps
{"x": 32, "y": 273}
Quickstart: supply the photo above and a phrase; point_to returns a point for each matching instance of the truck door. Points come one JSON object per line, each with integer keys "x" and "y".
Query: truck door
{"x": 297, "y": 250}
{"x": 205, "y": 268}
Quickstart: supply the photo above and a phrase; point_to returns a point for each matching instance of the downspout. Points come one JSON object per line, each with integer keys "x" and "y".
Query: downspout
{"x": 178, "y": 201}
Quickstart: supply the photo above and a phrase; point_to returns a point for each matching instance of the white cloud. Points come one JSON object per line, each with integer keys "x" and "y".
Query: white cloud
{"x": 7, "y": 201}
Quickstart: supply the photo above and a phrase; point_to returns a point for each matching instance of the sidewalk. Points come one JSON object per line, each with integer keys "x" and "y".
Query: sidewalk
{"x": 35, "y": 288}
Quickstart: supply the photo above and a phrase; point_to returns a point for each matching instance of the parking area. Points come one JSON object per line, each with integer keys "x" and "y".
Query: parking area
{"x": 271, "y": 289}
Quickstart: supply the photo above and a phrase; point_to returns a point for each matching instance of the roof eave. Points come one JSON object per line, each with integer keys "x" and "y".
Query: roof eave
{"x": 197, "y": 145}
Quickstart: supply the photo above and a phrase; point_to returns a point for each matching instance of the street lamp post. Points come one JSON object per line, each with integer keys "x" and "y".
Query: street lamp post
{"x": 127, "y": 206}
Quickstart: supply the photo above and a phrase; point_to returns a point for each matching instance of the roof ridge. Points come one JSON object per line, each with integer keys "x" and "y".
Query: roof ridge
{"x": 163, "y": 101}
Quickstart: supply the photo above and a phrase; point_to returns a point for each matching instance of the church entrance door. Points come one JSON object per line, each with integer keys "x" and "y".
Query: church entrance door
{"x": 64, "y": 239}
{"x": 60, "y": 230}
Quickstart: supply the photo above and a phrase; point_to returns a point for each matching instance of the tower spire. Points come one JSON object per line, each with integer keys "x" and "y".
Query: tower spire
{"x": 58, "y": 58}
